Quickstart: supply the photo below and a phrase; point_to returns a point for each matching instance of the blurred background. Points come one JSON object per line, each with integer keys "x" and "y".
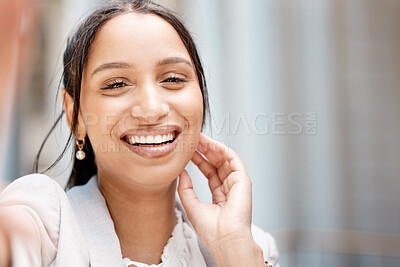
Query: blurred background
{"x": 306, "y": 91}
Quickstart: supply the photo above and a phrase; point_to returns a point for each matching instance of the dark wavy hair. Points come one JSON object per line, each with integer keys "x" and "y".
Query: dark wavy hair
{"x": 75, "y": 57}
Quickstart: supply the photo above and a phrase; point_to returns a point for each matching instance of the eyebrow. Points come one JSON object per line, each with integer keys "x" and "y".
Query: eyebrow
{"x": 112, "y": 65}
{"x": 173, "y": 60}
{"x": 124, "y": 65}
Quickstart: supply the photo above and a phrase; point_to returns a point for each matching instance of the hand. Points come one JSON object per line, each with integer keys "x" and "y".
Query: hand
{"x": 224, "y": 226}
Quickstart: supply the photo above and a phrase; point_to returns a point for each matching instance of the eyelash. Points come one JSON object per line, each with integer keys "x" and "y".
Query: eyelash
{"x": 174, "y": 79}
{"x": 114, "y": 85}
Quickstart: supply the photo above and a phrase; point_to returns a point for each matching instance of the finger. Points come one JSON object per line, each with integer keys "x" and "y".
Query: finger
{"x": 208, "y": 170}
{"x": 187, "y": 194}
{"x": 211, "y": 150}
{"x": 217, "y": 153}
{"x": 224, "y": 170}
{"x": 221, "y": 173}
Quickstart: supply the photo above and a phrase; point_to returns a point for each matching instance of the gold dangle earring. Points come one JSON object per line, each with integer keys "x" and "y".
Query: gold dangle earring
{"x": 80, "y": 154}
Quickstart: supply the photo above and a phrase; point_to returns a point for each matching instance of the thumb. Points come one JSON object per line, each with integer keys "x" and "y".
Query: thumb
{"x": 187, "y": 194}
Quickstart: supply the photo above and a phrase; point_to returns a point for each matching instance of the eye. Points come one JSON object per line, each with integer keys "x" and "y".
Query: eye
{"x": 115, "y": 84}
{"x": 174, "y": 79}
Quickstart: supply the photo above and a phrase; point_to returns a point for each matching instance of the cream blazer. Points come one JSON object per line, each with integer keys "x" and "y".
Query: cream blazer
{"x": 75, "y": 228}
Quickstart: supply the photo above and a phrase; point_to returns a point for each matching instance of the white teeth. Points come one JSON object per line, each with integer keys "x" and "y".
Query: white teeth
{"x": 157, "y": 139}
{"x": 149, "y": 139}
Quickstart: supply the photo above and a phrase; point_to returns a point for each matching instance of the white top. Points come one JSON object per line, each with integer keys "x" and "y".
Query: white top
{"x": 76, "y": 229}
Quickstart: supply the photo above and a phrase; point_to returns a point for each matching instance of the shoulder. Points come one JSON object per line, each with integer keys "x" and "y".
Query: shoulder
{"x": 36, "y": 190}
{"x": 43, "y": 223}
{"x": 267, "y": 243}
{"x": 32, "y": 205}
{"x": 37, "y": 198}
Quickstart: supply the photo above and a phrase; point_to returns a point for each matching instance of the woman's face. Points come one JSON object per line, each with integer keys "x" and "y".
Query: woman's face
{"x": 141, "y": 104}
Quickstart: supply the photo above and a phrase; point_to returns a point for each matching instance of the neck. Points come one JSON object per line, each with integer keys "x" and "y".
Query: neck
{"x": 143, "y": 216}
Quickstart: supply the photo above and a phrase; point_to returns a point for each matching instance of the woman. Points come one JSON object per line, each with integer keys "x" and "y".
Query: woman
{"x": 135, "y": 100}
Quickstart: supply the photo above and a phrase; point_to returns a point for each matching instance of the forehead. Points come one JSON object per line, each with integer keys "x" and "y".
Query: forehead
{"x": 138, "y": 38}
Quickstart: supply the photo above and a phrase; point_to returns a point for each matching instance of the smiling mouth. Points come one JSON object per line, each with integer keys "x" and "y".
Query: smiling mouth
{"x": 151, "y": 140}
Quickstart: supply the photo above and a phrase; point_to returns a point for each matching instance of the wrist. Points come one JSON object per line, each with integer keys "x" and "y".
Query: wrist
{"x": 238, "y": 251}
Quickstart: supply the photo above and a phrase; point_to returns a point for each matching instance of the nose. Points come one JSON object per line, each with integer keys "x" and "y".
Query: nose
{"x": 150, "y": 107}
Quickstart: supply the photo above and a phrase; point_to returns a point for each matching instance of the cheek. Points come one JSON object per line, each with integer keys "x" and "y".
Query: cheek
{"x": 101, "y": 114}
{"x": 190, "y": 106}
{"x": 190, "y": 109}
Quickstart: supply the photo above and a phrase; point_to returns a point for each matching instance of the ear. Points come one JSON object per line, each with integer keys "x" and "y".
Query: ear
{"x": 68, "y": 103}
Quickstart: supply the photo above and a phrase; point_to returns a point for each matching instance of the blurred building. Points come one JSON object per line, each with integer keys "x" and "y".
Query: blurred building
{"x": 306, "y": 91}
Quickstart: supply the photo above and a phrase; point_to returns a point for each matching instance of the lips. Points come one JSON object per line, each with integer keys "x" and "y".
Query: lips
{"x": 152, "y": 142}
